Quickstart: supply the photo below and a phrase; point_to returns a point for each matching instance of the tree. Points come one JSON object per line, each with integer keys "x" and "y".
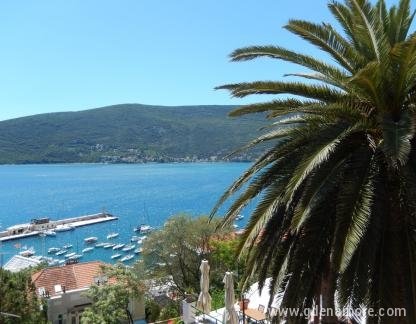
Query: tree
{"x": 18, "y": 297}
{"x": 175, "y": 251}
{"x": 110, "y": 300}
{"x": 337, "y": 186}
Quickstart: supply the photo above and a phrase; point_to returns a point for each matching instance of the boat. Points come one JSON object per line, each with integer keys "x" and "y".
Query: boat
{"x": 235, "y": 226}
{"x": 75, "y": 257}
{"x": 69, "y": 255}
{"x": 112, "y": 235}
{"x": 102, "y": 244}
{"x": 128, "y": 248}
{"x": 53, "y": 250}
{"x": 143, "y": 229}
{"x": 49, "y": 233}
{"x": 118, "y": 246}
{"x": 61, "y": 252}
{"x": 134, "y": 238}
{"x": 90, "y": 240}
{"x": 67, "y": 246}
{"x": 239, "y": 217}
{"x": 64, "y": 228}
{"x": 115, "y": 256}
{"x": 108, "y": 245}
{"x": 138, "y": 250}
{"x": 127, "y": 257}
{"x": 88, "y": 249}
{"x": 27, "y": 253}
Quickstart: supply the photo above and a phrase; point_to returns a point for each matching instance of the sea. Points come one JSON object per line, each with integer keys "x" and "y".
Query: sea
{"x": 135, "y": 193}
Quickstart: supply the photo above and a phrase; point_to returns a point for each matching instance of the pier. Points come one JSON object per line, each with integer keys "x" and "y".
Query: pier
{"x": 37, "y": 226}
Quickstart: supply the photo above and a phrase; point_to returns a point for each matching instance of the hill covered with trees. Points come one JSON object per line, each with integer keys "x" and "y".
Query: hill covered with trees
{"x": 128, "y": 133}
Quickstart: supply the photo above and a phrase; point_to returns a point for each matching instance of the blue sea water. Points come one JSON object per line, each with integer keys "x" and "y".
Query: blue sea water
{"x": 138, "y": 193}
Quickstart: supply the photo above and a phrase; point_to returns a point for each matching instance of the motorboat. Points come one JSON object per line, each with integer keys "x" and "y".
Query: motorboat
{"x": 118, "y": 246}
{"x": 134, "y": 238}
{"x": 127, "y": 258}
{"x": 64, "y": 228}
{"x": 53, "y": 250}
{"x": 27, "y": 253}
{"x": 69, "y": 255}
{"x": 143, "y": 229}
{"x": 88, "y": 249}
{"x": 67, "y": 246}
{"x": 90, "y": 240}
{"x": 108, "y": 245}
{"x": 49, "y": 233}
{"x": 61, "y": 252}
{"x": 112, "y": 235}
{"x": 128, "y": 248}
{"x": 101, "y": 244}
{"x": 115, "y": 256}
{"x": 138, "y": 250}
{"x": 239, "y": 217}
{"x": 75, "y": 257}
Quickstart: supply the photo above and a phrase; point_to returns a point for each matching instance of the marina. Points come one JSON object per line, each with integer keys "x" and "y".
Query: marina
{"x": 49, "y": 227}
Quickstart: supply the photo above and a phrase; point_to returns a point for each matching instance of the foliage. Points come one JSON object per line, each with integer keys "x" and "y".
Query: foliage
{"x": 110, "y": 300}
{"x": 152, "y": 310}
{"x": 124, "y": 133}
{"x": 109, "y": 305}
{"x": 176, "y": 251}
{"x": 169, "y": 311}
{"x": 218, "y": 298}
{"x": 336, "y": 208}
{"x": 18, "y": 297}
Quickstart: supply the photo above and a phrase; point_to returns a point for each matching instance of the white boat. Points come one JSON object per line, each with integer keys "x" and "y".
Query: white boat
{"x": 118, "y": 246}
{"x": 108, "y": 245}
{"x": 69, "y": 255}
{"x": 67, "y": 246}
{"x": 239, "y": 217}
{"x": 112, "y": 235}
{"x": 49, "y": 233}
{"x": 143, "y": 229}
{"x": 235, "y": 226}
{"x": 90, "y": 240}
{"x": 138, "y": 250}
{"x": 102, "y": 244}
{"x": 88, "y": 249}
{"x": 61, "y": 252}
{"x": 134, "y": 238}
{"x": 27, "y": 253}
{"x": 127, "y": 257}
{"x": 75, "y": 257}
{"x": 115, "y": 256}
{"x": 64, "y": 228}
{"x": 53, "y": 250}
{"x": 128, "y": 248}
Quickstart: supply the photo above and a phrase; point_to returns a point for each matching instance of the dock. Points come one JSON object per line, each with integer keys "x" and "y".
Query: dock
{"x": 37, "y": 226}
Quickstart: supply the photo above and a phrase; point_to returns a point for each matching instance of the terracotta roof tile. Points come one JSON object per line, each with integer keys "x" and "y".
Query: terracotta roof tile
{"x": 72, "y": 276}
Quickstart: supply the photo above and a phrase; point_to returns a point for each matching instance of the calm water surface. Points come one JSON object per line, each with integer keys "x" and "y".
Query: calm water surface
{"x": 147, "y": 193}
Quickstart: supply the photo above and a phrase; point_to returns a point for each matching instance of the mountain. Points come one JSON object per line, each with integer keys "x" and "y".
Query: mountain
{"x": 127, "y": 133}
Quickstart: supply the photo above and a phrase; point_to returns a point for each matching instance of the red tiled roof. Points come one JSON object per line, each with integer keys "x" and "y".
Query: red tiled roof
{"x": 71, "y": 276}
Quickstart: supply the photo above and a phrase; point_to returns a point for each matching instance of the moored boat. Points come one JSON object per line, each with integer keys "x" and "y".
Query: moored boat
{"x": 101, "y": 244}
{"x": 27, "y": 253}
{"x": 90, "y": 240}
{"x": 115, "y": 256}
{"x": 127, "y": 258}
{"x": 53, "y": 250}
{"x": 143, "y": 229}
{"x": 118, "y": 246}
{"x": 128, "y": 248}
{"x": 138, "y": 250}
{"x": 108, "y": 245}
{"x": 64, "y": 228}
{"x": 67, "y": 246}
{"x": 112, "y": 235}
{"x": 69, "y": 255}
{"x": 88, "y": 249}
{"x": 61, "y": 252}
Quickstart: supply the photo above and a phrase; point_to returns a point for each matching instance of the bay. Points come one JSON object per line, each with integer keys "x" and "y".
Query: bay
{"x": 136, "y": 193}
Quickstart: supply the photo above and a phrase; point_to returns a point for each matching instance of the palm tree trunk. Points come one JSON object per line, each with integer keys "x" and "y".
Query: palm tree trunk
{"x": 328, "y": 295}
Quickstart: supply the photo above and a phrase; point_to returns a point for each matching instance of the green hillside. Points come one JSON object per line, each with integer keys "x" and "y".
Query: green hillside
{"x": 126, "y": 133}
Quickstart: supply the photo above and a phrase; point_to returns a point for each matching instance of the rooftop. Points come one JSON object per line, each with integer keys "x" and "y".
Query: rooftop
{"x": 18, "y": 262}
{"x": 69, "y": 277}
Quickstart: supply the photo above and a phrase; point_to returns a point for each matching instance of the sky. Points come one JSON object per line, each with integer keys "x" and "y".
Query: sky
{"x": 66, "y": 55}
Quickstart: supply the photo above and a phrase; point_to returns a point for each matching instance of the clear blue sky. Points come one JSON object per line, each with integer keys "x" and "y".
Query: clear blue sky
{"x": 79, "y": 54}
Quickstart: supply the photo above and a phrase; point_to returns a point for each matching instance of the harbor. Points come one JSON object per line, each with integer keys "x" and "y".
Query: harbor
{"x": 45, "y": 225}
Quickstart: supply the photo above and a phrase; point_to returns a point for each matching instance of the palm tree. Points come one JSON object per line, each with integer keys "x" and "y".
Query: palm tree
{"x": 336, "y": 188}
